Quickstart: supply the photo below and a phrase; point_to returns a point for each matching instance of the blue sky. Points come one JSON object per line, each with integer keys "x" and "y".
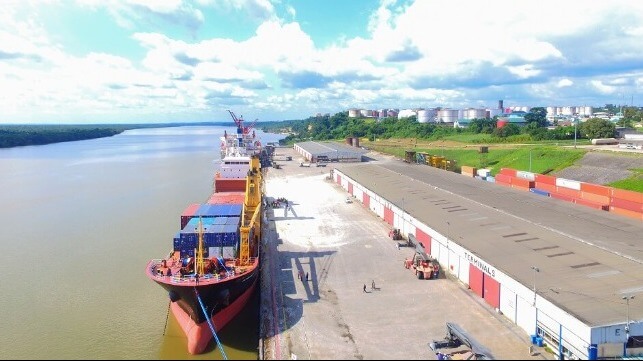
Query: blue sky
{"x": 135, "y": 61}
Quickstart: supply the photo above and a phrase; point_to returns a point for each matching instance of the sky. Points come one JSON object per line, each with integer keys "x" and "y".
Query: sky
{"x": 154, "y": 61}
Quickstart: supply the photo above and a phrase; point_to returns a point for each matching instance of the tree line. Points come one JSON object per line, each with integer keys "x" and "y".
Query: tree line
{"x": 339, "y": 126}
{"x": 21, "y": 135}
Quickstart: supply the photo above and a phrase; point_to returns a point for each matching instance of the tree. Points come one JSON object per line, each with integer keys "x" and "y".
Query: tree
{"x": 537, "y": 115}
{"x": 597, "y": 128}
{"x": 507, "y": 130}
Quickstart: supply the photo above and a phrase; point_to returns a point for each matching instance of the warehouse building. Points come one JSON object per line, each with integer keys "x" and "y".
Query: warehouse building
{"x": 329, "y": 151}
{"x": 570, "y": 276}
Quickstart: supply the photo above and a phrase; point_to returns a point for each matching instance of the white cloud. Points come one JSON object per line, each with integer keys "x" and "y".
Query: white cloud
{"x": 564, "y": 83}
{"x": 603, "y": 88}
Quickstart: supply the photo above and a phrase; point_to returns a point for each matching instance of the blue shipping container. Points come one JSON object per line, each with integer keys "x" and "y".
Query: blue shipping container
{"x": 539, "y": 192}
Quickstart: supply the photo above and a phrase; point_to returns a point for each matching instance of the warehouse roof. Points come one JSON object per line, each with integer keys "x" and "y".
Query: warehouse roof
{"x": 316, "y": 148}
{"x": 588, "y": 259}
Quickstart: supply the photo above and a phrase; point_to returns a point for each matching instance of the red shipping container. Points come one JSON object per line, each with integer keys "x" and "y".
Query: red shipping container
{"x": 627, "y": 195}
{"x": 627, "y": 213}
{"x": 568, "y": 192}
{"x": 523, "y": 183}
{"x": 520, "y": 188}
{"x": 595, "y": 197}
{"x": 508, "y": 171}
{"x": 561, "y": 197}
{"x": 625, "y": 204}
{"x": 188, "y": 213}
{"x": 503, "y": 178}
{"x": 227, "y": 198}
{"x": 547, "y": 179}
{"x": 551, "y": 188}
{"x": 229, "y": 185}
{"x": 595, "y": 189}
{"x": 603, "y": 206}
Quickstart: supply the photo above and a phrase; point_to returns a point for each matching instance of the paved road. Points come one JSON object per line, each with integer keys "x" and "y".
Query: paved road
{"x": 342, "y": 247}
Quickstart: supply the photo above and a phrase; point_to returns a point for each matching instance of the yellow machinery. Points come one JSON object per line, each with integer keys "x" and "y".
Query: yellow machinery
{"x": 251, "y": 216}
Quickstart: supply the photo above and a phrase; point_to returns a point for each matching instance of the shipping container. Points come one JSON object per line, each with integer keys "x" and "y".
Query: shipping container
{"x": 490, "y": 179}
{"x": 522, "y": 183}
{"x": 508, "y": 171}
{"x": 188, "y": 213}
{"x": 591, "y": 204}
{"x": 625, "y": 204}
{"x": 526, "y": 175}
{"x": 551, "y": 188}
{"x": 568, "y": 192}
{"x": 539, "y": 192}
{"x": 593, "y": 197}
{"x": 503, "y": 179}
{"x": 627, "y": 213}
{"x": 568, "y": 183}
{"x": 227, "y": 198}
{"x": 627, "y": 195}
{"x": 543, "y": 178}
{"x": 595, "y": 189}
{"x": 561, "y": 197}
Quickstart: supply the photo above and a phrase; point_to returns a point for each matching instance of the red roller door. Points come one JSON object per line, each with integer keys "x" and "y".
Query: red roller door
{"x": 350, "y": 188}
{"x": 423, "y": 238}
{"x": 491, "y": 291}
{"x": 476, "y": 279}
{"x": 367, "y": 200}
{"x": 388, "y": 215}
{"x": 339, "y": 179}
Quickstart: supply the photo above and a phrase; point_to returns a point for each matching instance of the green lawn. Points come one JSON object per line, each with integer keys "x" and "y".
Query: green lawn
{"x": 633, "y": 183}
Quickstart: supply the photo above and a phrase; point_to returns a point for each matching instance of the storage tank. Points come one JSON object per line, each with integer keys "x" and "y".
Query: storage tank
{"x": 501, "y": 123}
{"x": 405, "y": 113}
{"x": 366, "y": 112}
{"x": 353, "y": 113}
{"x": 588, "y": 111}
{"x": 383, "y": 113}
{"x": 427, "y": 115}
{"x": 356, "y": 142}
{"x": 391, "y": 113}
{"x": 472, "y": 113}
{"x": 447, "y": 115}
{"x": 551, "y": 111}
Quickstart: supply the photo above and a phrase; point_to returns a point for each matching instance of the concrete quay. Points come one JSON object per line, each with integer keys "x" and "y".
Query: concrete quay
{"x": 343, "y": 247}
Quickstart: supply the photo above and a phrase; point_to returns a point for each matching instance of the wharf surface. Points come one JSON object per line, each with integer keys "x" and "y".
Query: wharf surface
{"x": 343, "y": 247}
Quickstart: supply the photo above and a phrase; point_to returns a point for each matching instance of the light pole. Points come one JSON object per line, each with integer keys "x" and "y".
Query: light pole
{"x": 536, "y": 270}
{"x": 627, "y": 325}
{"x": 575, "y": 133}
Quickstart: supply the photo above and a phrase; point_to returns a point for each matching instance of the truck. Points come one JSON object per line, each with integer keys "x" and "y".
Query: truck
{"x": 306, "y": 164}
{"x": 424, "y": 266}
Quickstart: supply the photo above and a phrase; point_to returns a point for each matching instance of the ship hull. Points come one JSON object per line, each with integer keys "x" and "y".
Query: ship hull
{"x": 199, "y": 335}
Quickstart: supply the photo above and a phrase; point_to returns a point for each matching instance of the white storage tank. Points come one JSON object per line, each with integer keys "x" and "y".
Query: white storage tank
{"x": 447, "y": 115}
{"x": 366, "y": 112}
{"x": 353, "y": 113}
{"x": 551, "y": 111}
{"x": 383, "y": 113}
{"x": 427, "y": 115}
{"x": 405, "y": 113}
{"x": 472, "y": 113}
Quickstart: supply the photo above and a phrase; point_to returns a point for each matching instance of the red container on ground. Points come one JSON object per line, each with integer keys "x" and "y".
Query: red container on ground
{"x": 522, "y": 183}
{"x": 595, "y": 189}
{"x": 547, "y": 179}
{"x": 595, "y": 197}
{"x": 551, "y": 188}
{"x": 627, "y": 195}
{"x": 625, "y": 204}
{"x": 603, "y": 206}
{"x": 503, "y": 178}
{"x": 627, "y": 213}
{"x": 568, "y": 192}
{"x": 508, "y": 171}
{"x": 561, "y": 197}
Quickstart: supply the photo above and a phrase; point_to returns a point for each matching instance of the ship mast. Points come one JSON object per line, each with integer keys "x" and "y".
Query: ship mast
{"x": 200, "y": 264}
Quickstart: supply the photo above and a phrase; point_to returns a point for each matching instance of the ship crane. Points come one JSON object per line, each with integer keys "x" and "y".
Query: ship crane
{"x": 239, "y": 122}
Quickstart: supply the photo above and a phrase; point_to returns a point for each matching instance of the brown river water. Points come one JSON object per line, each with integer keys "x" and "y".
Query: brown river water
{"x": 78, "y": 224}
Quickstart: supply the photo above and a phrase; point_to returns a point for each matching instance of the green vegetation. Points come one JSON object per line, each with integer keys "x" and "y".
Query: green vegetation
{"x": 633, "y": 183}
{"x": 543, "y": 159}
{"x": 39, "y": 134}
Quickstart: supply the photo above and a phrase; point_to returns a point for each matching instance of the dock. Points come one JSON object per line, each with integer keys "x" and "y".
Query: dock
{"x": 344, "y": 249}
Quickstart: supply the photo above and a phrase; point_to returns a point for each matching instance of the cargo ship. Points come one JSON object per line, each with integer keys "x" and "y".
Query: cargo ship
{"x": 213, "y": 267}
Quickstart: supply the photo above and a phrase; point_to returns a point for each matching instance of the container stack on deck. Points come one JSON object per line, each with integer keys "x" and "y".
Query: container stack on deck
{"x": 219, "y": 229}
{"x": 619, "y": 201}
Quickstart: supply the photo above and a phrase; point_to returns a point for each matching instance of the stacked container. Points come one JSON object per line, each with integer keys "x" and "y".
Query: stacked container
{"x": 626, "y": 203}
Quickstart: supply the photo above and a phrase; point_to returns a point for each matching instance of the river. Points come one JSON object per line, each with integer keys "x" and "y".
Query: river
{"x": 79, "y": 222}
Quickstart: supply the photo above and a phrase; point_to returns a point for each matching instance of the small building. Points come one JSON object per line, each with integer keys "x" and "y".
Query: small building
{"x": 314, "y": 152}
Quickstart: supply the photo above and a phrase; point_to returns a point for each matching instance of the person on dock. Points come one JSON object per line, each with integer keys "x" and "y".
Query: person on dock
{"x": 306, "y": 276}
{"x": 373, "y": 285}
{"x": 364, "y": 288}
